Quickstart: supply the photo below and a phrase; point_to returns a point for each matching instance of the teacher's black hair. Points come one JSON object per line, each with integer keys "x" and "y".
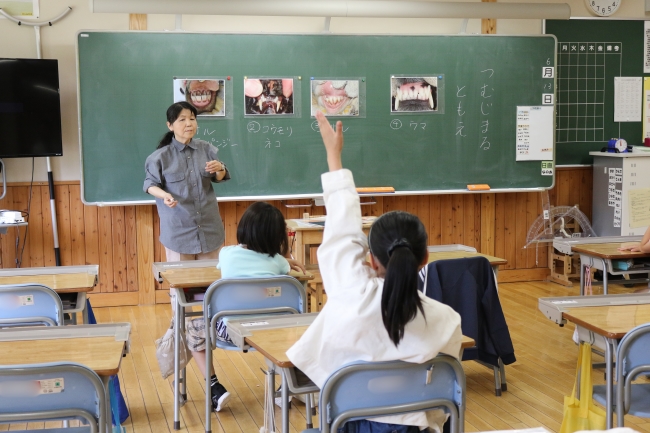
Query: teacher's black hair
{"x": 398, "y": 240}
{"x": 173, "y": 112}
{"x": 262, "y": 229}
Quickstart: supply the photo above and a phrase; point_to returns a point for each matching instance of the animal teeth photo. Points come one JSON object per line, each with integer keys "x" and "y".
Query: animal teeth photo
{"x": 414, "y": 94}
{"x": 335, "y": 97}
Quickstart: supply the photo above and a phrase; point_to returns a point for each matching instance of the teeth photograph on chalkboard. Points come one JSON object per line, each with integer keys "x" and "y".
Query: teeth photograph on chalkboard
{"x": 335, "y": 97}
{"x": 207, "y": 95}
{"x": 268, "y": 96}
{"x": 414, "y": 94}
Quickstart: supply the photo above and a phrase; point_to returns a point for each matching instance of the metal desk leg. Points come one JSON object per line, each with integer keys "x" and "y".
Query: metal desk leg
{"x": 605, "y": 280}
{"x": 177, "y": 343}
{"x": 270, "y": 389}
{"x": 582, "y": 279}
{"x": 284, "y": 395}
{"x": 609, "y": 379}
{"x": 109, "y": 423}
{"x": 183, "y": 372}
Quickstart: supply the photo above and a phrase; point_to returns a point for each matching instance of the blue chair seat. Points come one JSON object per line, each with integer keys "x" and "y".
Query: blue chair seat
{"x": 640, "y": 394}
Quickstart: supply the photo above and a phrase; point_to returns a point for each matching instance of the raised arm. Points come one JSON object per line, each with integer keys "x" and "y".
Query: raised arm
{"x": 342, "y": 255}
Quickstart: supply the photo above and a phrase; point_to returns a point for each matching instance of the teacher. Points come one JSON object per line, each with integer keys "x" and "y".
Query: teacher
{"x": 180, "y": 174}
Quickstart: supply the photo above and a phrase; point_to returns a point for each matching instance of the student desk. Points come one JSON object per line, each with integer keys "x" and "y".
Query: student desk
{"x": 70, "y": 282}
{"x": 197, "y": 275}
{"x": 278, "y": 335}
{"x": 602, "y": 321}
{"x": 308, "y": 237}
{"x": 436, "y": 252}
{"x": 99, "y": 347}
{"x": 601, "y": 255}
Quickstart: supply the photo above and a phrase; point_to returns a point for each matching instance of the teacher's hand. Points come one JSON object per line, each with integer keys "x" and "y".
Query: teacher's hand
{"x": 169, "y": 200}
{"x": 214, "y": 166}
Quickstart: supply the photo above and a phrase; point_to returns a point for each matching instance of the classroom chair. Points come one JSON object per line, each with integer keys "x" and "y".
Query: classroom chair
{"x": 369, "y": 389}
{"x": 58, "y": 391}
{"x": 29, "y": 305}
{"x": 225, "y": 298}
{"x": 632, "y": 359}
{"x": 468, "y": 285}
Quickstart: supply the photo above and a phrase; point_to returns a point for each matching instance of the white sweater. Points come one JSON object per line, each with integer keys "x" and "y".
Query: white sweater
{"x": 350, "y": 327}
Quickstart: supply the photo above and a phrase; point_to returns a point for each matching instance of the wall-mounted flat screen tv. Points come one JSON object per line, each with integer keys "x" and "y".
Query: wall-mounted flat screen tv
{"x": 30, "y": 108}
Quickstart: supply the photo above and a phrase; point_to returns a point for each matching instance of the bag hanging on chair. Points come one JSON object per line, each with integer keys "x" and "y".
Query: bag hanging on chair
{"x": 582, "y": 414}
{"x": 165, "y": 352}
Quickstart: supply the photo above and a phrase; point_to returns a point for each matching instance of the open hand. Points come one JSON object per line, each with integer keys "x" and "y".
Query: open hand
{"x": 297, "y": 266}
{"x": 333, "y": 141}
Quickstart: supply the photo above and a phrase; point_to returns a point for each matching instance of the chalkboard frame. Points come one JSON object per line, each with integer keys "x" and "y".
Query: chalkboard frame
{"x": 317, "y": 192}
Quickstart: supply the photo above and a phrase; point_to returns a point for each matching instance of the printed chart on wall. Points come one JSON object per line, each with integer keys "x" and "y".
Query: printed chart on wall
{"x": 599, "y": 85}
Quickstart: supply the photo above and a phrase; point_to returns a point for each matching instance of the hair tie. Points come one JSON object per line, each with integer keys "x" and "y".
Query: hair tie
{"x": 399, "y": 243}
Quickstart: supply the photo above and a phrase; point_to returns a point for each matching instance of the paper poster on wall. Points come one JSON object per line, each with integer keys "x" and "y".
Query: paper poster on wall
{"x": 639, "y": 207}
{"x": 20, "y": 8}
{"x": 534, "y": 133}
{"x": 628, "y": 95}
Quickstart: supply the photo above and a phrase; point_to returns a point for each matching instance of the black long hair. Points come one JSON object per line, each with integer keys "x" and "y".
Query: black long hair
{"x": 262, "y": 229}
{"x": 173, "y": 112}
{"x": 398, "y": 240}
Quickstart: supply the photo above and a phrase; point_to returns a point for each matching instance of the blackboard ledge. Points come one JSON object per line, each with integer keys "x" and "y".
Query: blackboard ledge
{"x": 320, "y": 196}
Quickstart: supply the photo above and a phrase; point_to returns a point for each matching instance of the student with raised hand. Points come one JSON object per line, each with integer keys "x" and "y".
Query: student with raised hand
{"x": 374, "y": 311}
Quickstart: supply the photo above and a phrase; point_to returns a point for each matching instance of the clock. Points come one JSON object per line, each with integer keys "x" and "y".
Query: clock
{"x": 603, "y": 8}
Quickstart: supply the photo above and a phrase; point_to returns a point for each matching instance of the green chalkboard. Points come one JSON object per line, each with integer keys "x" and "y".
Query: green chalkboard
{"x": 590, "y": 54}
{"x": 125, "y": 86}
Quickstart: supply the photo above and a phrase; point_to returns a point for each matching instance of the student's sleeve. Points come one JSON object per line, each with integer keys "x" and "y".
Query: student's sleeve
{"x": 342, "y": 254}
{"x": 213, "y": 155}
{"x": 153, "y": 173}
{"x": 283, "y": 265}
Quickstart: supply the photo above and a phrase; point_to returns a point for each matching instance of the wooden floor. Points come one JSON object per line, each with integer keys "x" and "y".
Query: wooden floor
{"x": 537, "y": 382}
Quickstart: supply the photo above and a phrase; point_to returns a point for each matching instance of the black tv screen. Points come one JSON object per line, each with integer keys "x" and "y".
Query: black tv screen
{"x": 30, "y": 108}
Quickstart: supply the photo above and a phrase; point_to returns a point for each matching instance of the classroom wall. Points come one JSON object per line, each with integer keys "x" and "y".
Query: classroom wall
{"x": 123, "y": 240}
{"x": 58, "y": 42}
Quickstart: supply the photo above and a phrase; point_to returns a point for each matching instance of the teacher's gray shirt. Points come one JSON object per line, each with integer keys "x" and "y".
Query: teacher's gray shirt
{"x": 194, "y": 225}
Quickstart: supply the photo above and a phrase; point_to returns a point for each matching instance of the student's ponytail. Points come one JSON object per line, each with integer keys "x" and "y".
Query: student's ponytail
{"x": 398, "y": 241}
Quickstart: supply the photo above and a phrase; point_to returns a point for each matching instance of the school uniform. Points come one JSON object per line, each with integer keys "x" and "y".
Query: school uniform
{"x": 350, "y": 326}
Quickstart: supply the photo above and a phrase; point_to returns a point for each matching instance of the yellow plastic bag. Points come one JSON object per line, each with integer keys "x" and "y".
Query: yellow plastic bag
{"x": 582, "y": 414}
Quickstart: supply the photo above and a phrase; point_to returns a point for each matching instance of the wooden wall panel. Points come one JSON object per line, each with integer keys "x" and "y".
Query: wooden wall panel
{"x": 77, "y": 242}
{"x": 35, "y": 231}
{"x": 124, "y": 240}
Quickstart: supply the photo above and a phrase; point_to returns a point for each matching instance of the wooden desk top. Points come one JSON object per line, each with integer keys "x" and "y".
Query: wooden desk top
{"x": 60, "y": 283}
{"x": 607, "y": 251}
{"x": 445, "y": 255}
{"x": 293, "y": 225}
{"x": 274, "y": 343}
{"x": 609, "y": 321}
{"x": 101, "y": 354}
{"x": 202, "y": 277}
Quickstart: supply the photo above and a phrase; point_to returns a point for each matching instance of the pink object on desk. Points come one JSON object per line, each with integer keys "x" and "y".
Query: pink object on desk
{"x": 646, "y": 142}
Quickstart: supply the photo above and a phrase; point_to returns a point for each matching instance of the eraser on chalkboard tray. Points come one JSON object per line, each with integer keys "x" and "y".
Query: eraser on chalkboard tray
{"x": 479, "y": 187}
{"x": 375, "y": 189}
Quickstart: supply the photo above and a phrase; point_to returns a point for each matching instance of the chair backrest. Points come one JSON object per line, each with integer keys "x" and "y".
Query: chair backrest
{"x": 632, "y": 359}
{"x": 54, "y": 391}
{"x": 29, "y": 305}
{"x": 368, "y": 389}
{"x": 279, "y": 294}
